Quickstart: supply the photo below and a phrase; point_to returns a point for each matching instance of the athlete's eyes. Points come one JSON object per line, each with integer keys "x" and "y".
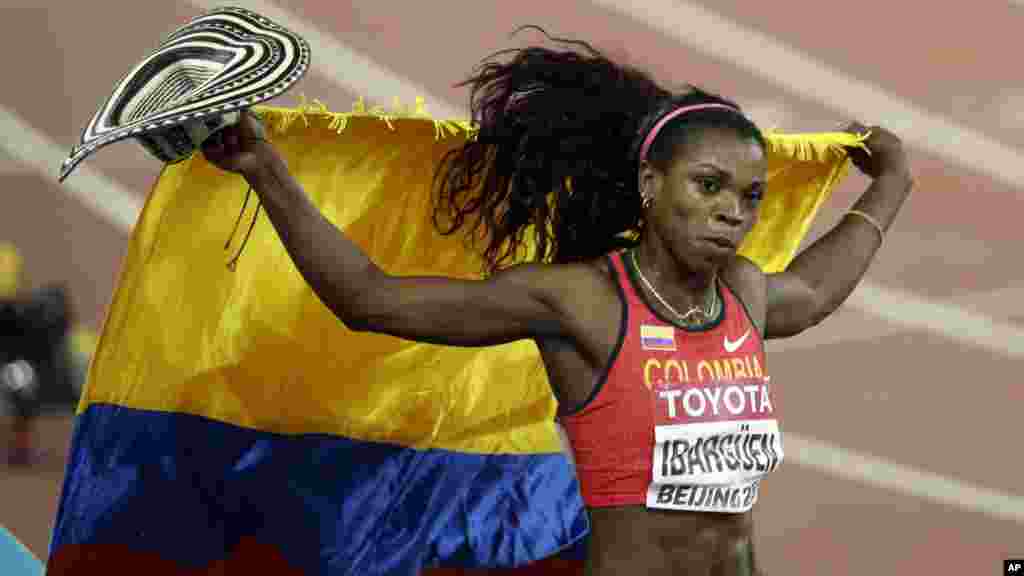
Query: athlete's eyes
{"x": 708, "y": 184}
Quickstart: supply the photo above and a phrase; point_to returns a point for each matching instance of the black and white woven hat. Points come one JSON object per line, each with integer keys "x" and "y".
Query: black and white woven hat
{"x": 196, "y": 83}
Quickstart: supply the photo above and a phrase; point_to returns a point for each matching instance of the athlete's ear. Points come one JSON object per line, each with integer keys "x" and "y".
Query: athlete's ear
{"x": 650, "y": 181}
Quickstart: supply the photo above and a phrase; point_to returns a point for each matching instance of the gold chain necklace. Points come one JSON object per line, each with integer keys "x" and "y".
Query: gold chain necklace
{"x": 682, "y": 317}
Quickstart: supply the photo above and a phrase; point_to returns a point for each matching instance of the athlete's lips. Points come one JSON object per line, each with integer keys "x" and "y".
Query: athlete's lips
{"x": 723, "y": 242}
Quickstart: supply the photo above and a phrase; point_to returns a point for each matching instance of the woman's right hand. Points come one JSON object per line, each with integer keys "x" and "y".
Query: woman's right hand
{"x": 886, "y": 153}
{"x": 241, "y": 148}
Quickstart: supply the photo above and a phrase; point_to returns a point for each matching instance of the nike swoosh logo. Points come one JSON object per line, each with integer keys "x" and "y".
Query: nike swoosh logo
{"x": 731, "y": 346}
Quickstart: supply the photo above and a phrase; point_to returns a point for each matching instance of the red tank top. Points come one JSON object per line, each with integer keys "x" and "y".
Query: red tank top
{"x": 682, "y": 417}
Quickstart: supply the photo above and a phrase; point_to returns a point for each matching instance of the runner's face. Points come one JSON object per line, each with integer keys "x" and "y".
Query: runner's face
{"x": 707, "y": 200}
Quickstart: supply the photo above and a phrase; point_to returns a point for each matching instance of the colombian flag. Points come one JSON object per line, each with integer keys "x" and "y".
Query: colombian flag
{"x": 231, "y": 424}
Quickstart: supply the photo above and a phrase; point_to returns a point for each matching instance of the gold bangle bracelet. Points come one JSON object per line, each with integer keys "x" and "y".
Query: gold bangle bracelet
{"x": 870, "y": 220}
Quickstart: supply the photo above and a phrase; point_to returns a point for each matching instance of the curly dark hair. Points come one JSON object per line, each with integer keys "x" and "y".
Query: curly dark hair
{"x": 556, "y": 150}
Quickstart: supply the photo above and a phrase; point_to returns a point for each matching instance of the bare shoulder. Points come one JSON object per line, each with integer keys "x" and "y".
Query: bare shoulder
{"x": 562, "y": 286}
{"x": 592, "y": 314}
{"x": 750, "y": 284}
{"x": 590, "y": 307}
{"x": 584, "y": 289}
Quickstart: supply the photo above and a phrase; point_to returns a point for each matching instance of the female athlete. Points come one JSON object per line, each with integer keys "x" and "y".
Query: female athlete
{"x": 649, "y": 323}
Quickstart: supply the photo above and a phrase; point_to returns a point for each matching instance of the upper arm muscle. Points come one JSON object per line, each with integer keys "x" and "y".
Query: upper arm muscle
{"x": 783, "y": 303}
{"x": 748, "y": 283}
{"x": 519, "y": 303}
{"x": 792, "y": 305}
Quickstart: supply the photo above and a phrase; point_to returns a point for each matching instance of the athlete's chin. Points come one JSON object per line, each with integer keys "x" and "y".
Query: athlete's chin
{"x": 714, "y": 260}
{"x": 699, "y": 258}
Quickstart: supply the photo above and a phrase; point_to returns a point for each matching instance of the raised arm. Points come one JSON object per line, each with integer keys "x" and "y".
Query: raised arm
{"x": 821, "y": 277}
{"x": 523, "y": 302}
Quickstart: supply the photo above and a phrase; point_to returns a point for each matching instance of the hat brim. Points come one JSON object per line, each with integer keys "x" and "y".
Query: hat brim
{"x": 223, "y": 61}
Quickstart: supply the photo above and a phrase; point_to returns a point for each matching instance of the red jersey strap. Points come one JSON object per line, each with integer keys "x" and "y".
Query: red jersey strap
{"x": 622, "y": 278}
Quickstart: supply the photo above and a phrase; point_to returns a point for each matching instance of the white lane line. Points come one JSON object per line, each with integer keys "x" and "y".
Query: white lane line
{"x": 1005, "y": 301}
{"x": 874, "y": 471}
{"x": 772, "y": 61}
{"x": 912, "y": 312}
{"x": 346, "y": 67}
{"x": 101, "y": 195}
{"x": 964, "y": 321}
{"x": 974, "y": 312}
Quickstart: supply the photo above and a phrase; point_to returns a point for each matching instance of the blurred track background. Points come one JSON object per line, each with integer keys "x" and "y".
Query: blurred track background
{"x": 903, "y": 411}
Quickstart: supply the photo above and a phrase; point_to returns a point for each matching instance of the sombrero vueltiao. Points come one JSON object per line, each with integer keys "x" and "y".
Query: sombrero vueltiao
{"x": 195, "y": 83}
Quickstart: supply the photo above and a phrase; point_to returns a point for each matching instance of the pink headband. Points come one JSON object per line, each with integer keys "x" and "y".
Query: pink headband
{"x": 673, "y": 114}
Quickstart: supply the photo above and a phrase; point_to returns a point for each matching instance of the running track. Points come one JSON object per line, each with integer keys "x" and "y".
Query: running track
{"x": 904, "y": 409}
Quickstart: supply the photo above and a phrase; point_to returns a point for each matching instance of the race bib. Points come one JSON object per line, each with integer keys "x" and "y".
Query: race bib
{"x": 712, "y": 445}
